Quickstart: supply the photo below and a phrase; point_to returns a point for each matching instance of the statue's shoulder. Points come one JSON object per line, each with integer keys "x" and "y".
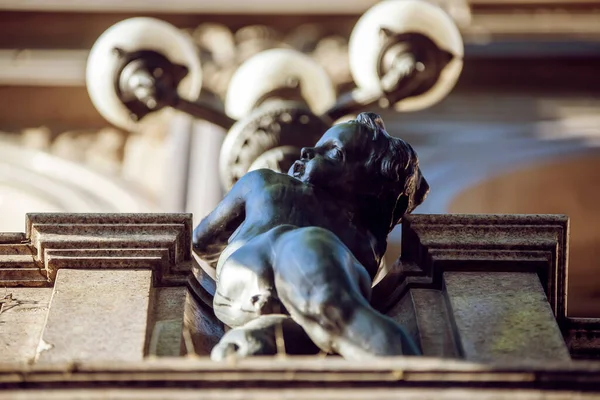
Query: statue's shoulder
{"x": 257, "y": 177}
{"x": 267, "y": 177}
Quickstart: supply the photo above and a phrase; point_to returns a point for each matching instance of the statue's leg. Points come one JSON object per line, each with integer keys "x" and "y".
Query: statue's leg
{"x": 259, "y": 337}
{"x": 321, "y": 285}
{"x": 245, "y": 288}
{"x": 245, "y": 300}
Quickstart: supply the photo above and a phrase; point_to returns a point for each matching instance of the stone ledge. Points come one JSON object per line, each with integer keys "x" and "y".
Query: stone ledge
{"x": 392, "y": 374}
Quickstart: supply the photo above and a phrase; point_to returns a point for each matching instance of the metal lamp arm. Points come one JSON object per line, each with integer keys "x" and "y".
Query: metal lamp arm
{"x": 204, "y": 109}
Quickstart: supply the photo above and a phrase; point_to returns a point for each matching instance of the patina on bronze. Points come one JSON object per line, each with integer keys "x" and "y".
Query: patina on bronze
{"x": 305, "y": 246}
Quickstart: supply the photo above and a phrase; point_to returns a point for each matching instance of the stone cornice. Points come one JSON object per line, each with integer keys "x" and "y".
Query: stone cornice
{"x": 161, "y": 242}
{"x": 433, "y": 244}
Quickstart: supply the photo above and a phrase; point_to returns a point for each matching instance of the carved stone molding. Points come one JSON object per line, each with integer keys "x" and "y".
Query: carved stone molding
{"x": 160, "y": 242}
{"x": 434, "y": 244}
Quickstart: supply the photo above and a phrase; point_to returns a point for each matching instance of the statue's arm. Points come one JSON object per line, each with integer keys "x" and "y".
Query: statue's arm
{"x": 211, "y": 235}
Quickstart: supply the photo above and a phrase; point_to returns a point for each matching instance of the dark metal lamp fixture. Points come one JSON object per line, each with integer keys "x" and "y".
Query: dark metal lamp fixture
{"x": 404, "y": 54}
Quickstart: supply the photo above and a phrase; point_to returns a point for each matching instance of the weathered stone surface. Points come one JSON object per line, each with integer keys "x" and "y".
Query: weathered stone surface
{"x": 99, "y": 393}
{"x": 108, "y": 247}
{"x": 169, "y": 302}
{"x": 22, "y": 315}
{"x": 405, "y": 314}
{"x": 431, "y": 247}
{"x": 166, "y": 338}
{"x": 11, "y": 237}
{"x": 503, "y": 317}
{"x": 201, "y": 328}
{"x": 108, "y": 259}
{"x": 18, "y": 266}
{"x": 433, "y": 244}
{"x": 97, "y": 315}
{"x": 435, "y": 329}
{"x": 64, "y": 231}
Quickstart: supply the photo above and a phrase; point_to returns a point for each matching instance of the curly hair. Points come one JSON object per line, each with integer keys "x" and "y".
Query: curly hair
{"x": 395, "y": 161}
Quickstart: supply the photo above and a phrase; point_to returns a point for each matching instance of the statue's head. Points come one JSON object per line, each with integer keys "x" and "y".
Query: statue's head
{"x": 360, "y": 158}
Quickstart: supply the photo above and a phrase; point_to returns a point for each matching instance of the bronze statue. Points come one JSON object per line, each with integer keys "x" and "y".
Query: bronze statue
{"x": 299, "y": 251}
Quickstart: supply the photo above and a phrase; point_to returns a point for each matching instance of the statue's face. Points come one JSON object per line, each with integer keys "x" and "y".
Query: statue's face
{"x": 336, "y": 159}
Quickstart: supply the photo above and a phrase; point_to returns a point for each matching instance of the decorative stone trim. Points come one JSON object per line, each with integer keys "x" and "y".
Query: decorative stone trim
{"x": 434, "y": 244}
{"x": 160, "y": 242}
{"x": 301, "y": 377}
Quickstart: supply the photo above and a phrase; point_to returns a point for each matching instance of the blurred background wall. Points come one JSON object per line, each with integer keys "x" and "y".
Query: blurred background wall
{"x": 518, "y": 134}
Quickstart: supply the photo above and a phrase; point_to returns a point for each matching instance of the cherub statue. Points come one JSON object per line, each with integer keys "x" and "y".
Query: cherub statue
{"x": 299, "y": 251}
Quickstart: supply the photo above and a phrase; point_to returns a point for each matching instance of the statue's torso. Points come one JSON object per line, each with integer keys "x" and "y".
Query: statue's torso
{"x": 284, "y": 200}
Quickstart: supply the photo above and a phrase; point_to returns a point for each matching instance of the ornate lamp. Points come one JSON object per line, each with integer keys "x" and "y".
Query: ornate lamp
{"x": 404, "y": 54}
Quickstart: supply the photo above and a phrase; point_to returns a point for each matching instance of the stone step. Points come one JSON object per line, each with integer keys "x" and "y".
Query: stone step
{"x": 18, "y": 267}
{"x": 161, "y": 254}
{"x": 103, "y": 229}
{"x": 12, "y": 283}
{"x": 16, "y": 261}
{"x": 14, "y": 250}
{"x": 22, "y": 274}
{"x": 16, "y": 256}
{"x": 62, "y": 242}
{"x": 153, "y": 263}
{"x": 12, "y": 237}
{"x": 101, "y": 218}
{"x": 108, "y": 252}
{"x": 107, "y": 232}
